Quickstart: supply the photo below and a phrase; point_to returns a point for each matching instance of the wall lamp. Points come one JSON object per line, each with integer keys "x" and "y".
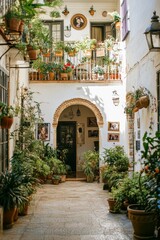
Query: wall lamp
{"x": 65, "y": 11}
{"x": 115, "y": 98}
{"x": 152, "y": 34}
{"x": 78, "y": 112}
{"x": 92, "y": 11}
{"x": 67, "y": 31}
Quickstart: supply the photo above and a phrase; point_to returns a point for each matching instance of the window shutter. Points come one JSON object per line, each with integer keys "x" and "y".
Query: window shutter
{"x": 125, "y": 28}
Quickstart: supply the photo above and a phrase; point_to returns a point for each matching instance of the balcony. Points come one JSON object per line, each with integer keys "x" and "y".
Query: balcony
{"x": 98, "y": 65}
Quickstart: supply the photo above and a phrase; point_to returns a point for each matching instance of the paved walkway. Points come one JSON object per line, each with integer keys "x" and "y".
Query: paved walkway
{"x": 73, "y": 210}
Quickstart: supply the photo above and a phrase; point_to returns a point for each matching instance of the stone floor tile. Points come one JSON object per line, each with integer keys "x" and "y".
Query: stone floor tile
{"x": 70, "y": 211}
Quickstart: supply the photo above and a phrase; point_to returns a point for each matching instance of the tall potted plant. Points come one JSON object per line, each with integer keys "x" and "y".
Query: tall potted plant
{"x": 12, "y": 195}
{"x": 150, "y": 209}
{"x": 90, "y": 164}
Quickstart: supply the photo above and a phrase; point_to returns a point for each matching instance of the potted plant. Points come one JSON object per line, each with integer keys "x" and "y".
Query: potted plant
{"x": 117, "y": 158}
{"x": 6, "y": 115}
{"x": 98, "y": 72}
{"x": 41, "y": 67}
{"x": 136, "y": 100}
{"x": 56, "y": 179}
{"x": 87, "y": 45}
{"x": 149, "y": 209}
{"x": 90, "y": 164}
{"x": 116, "y": 19}
{"x": 58, "y": 48}
{"x": 71, "y": 48}
{"x": 66, "y": 70}
{"x": 12, "y": 195}
{"x": 128, "y": 192}
{"x": 13, "y": 20}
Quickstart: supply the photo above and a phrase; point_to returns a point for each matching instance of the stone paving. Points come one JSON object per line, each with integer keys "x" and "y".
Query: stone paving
{"x": 74, "y": 210}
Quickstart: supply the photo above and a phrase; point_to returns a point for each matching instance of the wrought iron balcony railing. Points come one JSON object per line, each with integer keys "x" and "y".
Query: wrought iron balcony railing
{"x": 97, "y": 65}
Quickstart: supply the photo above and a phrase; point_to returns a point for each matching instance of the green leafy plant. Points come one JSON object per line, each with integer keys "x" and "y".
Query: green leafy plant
{"x": 132, "y": 97}
{"x": 117, "y": 158}
{"x": 7, "y": 110}
{"x": 128, "y": 191}
{"x": 12, "y": 192}
{"x": 150, "y": 159}
{"x": 98, "y": 69}
{"x": 90, "y": 163}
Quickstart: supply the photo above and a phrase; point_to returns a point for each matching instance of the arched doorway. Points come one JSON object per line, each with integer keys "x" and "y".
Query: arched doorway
{"x": 77, "y": 133}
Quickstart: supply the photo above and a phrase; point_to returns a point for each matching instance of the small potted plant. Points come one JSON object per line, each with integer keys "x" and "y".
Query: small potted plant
{"x": 71, "y": 48}
{"x": 98, "y": 73}
{"x": 6, "y": 115}
{"x": 56, "y": 179}
{"x": 116, "y": 19}
{"x": 12, "y": 195}
{"x": 90, "y": 164}
{"x": 58, "y": 48}
{"x": 66, "y": 70}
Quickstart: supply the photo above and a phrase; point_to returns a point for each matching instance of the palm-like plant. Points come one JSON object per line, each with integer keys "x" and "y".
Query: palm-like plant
{"x": 12, "y": 191}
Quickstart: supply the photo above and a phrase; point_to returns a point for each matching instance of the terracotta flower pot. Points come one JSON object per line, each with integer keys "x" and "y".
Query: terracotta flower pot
{"x": 143, "y": 222}
{"x": 64, "y": 76}
{"x": 6, "y": 122}
{"x": 51, "y": 76}
{"x": 112, "y": 203}
{"x": 144, "y": 101}
{"x": 8, "y": 218}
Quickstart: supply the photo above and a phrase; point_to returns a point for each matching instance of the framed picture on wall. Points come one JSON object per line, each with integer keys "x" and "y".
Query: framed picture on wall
{"x": 43, "y": 131}
{"x": 113, "y": 126}
{"x": 78, "y": 21}
{"x": 93, "y": 133}
{"x": 92, "y": 122}
{"x": 113, "y": 137}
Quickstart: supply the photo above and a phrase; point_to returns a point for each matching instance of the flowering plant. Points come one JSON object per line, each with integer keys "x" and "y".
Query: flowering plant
{"x": 67, "y": 67}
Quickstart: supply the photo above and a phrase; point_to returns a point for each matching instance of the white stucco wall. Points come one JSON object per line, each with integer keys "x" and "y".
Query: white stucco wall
{"x": 53, "y": 95}
{"x": 141, "y": 65}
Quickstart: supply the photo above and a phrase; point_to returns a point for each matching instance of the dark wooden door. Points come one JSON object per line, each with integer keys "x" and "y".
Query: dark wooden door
{"x": 66, "y": 139}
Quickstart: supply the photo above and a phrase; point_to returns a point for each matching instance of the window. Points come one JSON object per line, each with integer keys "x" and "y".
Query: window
{"x": 56, "y": 30}
{"x": 3, "y": 132}
{"x": 158, "y": 100}
{"x": 101, "y": 31}
{"x": 125, "y": 27}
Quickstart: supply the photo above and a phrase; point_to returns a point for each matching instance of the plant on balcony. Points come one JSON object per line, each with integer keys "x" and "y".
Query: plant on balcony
{"x": 66, "y": 67}
{"x": 116, "y": 19}
{"x": 58, "y": 48}
{"x": 98, "y": 69}
{"x": 87, "y": 44}
{"x": 71, "y": 48}
{"x": 98, "y": 72}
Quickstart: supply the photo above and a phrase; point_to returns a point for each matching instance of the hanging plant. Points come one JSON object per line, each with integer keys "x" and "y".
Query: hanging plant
{"x": 138, "y": 99}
